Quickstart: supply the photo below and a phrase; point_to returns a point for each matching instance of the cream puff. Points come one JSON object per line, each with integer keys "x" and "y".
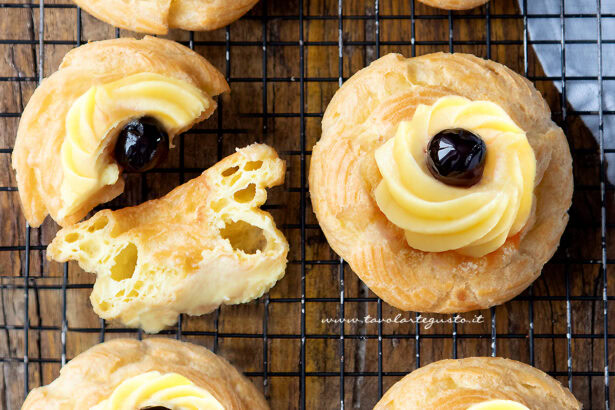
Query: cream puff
{"x": 442, "y": 180}
{"x": 478, "y": 383}
{"x": 156, "y": 373}
{"x": 112, "y": 105}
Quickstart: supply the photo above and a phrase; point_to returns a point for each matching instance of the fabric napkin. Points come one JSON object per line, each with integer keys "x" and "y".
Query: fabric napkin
{"x": 581, "y": 59}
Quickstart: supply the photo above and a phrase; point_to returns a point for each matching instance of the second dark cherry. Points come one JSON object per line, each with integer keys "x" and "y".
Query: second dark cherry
{"x": 141, "y": 145}
{"x": 456, "y": 157}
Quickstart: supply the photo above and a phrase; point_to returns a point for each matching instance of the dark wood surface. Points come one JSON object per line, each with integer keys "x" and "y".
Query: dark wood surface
{"x": 575, "y": 271}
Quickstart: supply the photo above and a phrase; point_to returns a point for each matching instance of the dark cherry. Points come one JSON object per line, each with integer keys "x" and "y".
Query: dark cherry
{"x": 456, "y": 157}
{"x": 141, "y": 145}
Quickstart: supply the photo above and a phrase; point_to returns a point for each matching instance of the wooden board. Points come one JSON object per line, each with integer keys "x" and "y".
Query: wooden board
{"x": 268, "y": 111}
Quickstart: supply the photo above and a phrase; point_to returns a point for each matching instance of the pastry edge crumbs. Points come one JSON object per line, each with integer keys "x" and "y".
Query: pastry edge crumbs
{"x": 152, "y": 264}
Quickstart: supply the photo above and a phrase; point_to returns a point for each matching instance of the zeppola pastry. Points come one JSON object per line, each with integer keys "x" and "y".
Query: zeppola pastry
{"x": 152, "y": 374}
{"x": 442, "y": 180}
{"x": 478, "y": 383}
{"x": 454, "y": 4}
{"x": 113, "y": 105}
{"x": 158, "y": 16}
{"x": 204, "y": 244}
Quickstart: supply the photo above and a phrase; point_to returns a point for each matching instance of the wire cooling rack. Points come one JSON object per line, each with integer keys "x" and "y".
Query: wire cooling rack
{"x": 284, "y": 62}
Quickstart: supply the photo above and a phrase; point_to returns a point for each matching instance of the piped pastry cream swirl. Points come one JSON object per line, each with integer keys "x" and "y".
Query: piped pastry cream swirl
{"x": 87, "y": 162}
{"x": 437, "y": 217}
{"x": 170, "y": 390}
{"x": 498, "y": 405}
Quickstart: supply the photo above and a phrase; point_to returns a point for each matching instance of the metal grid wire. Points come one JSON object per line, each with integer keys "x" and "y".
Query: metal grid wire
{"x": 483, "y": 20}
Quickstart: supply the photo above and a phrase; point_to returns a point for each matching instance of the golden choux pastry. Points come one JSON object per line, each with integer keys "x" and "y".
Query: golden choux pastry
{"x": 478, "y": 383}
{"x": 64, "y": 152}
{"x": 454, "y": 4}
{"x": 158, "y": 16}
{"x": 442, "y": 180}
{"x": 204, "y": 244}
{"x": 125, "y": 374}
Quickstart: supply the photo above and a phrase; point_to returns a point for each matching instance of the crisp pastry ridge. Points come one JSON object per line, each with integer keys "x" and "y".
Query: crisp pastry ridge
{"x": 458, "y": 384}
{"x": 92, "y": 376}
{"x": 37, "y": 156}
{"x": 204, "y": 244}
{"x": 454, "y": 4}
{"x": 365, "y": 113}
{"x": 158, "y": 16}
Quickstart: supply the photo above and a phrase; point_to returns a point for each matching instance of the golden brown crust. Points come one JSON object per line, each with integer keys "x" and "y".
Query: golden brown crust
{"x": 458, "y": 384}
{"x": 158, "y": 16}
{"x": 454, "y": 4}
{"x": 185, "y": 257}
{"x": 36, "y": 157}
{"x": 363, "y": 114}
{"x": 93, "y": 375}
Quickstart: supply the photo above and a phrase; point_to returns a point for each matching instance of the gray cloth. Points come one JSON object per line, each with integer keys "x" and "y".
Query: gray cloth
{"x": 581, "y": 59}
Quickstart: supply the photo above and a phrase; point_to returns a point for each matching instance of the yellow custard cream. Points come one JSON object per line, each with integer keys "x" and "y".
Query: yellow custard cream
{"x": 498, "y": 405}
{"x": 437, "y": 217}
{"x": 86, "y": 151}
{"x": 170, "y": 390}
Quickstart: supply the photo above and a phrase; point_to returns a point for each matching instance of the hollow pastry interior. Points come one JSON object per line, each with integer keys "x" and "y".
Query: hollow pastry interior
{"x": 478, "y": 383}
{"x": 204, "y": 244}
